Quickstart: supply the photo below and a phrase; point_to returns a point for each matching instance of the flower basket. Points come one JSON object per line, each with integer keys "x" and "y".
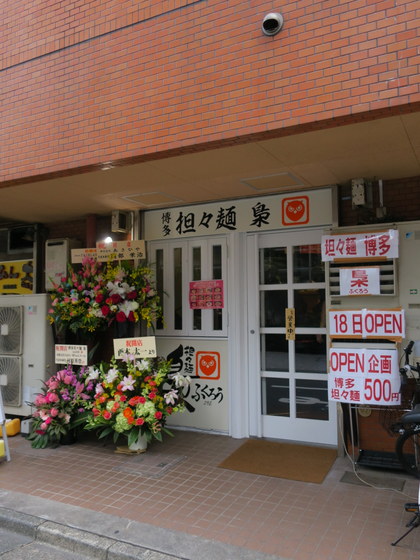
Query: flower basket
{"x": 134, "y": 398}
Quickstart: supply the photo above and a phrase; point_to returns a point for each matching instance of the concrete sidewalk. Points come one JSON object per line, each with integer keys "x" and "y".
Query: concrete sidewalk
{"x": 35, "y": 526}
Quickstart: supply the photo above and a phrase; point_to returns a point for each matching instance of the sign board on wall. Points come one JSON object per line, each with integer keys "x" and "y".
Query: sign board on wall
{"x": 309, "y": 208}
{"x": 357, "y": 246}
{"x": 76, "y": 354}
{"x": 367, "y": 323}
{"x": 364, "y": 376}
{"x": 16, "y": 277}
{"x": 206, "y": 362}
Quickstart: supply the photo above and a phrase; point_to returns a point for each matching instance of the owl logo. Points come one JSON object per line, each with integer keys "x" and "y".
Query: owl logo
{"x": 208, "y": 365}
{"x": 295, "y": 210}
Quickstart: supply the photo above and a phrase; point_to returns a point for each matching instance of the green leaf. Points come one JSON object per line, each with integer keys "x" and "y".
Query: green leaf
{"x": 105, "y": 432}
{"x": 132, "y": 436}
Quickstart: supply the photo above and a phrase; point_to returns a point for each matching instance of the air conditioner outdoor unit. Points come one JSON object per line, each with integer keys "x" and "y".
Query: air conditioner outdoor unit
{"x": 26, "y": 349}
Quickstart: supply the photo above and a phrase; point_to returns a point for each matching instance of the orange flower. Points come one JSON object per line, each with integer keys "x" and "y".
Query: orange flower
{"x": 128, "y": 412}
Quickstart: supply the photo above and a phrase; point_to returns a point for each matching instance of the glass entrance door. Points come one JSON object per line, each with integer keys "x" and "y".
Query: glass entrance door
{"x": 292, "y": 366}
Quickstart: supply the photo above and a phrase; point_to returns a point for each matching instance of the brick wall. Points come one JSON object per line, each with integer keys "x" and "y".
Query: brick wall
{"x": 90, "y": 81}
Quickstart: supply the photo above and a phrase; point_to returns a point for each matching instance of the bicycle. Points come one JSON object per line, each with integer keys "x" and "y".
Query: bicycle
{"x": 407, "y": 447}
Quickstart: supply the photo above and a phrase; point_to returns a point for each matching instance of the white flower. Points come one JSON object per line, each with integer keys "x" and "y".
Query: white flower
{"x": 99, "y": 390}
{"x": 143, "y": 365}
{"x": 93, "y": 373}
{"x": 181, "y": 380}
{"x": 128, "y": 306}
{"x": 111, "y": 375}
{"x": 127, "y": 383}
{"x": 171, "y": 396}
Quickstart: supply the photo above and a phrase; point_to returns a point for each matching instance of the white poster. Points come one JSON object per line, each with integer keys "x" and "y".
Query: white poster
{"x": 142, "y": 347}
{"x": 360, "y": 281}
{"x": 367, "y": 323}
{"x": 368, "y": 245}
{"x": 364, "y": 376}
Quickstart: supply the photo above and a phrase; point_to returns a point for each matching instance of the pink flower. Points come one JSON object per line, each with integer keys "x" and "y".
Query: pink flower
{"x": 54, "y": 412}
{"x": 139, "y": 422}
{"x": 43, "y": 426}
{"x": 106, "y": 414}
{"x": 51, "y": 398}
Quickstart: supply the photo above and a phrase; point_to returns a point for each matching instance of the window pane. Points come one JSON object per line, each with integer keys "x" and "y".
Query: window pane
{"x": 309, "y": 308}
{"x": 311, "y": 353}
{"x": 272, "y": 305}
{"x": 274, "y": 353}
{"x": 275, "y": 396}
{"x": 196, "y": 271}
{"x": 307, "y": 264}
{"x": 311, "y": 399}
{"x": 273, "y": 265}
{"x": 197, "y": 319}
{"x": 217, "y": 262}
{"x": 159, "y": 283}
{"x": 178, "y": 288}
{"x": 217, "y": 319}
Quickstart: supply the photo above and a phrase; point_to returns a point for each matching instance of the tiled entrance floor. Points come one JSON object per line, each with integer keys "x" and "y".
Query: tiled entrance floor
{"x": 178, "y": 485}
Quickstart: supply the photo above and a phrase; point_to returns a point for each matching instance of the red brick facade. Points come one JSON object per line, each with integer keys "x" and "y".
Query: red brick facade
{"x": 86, "y": 81}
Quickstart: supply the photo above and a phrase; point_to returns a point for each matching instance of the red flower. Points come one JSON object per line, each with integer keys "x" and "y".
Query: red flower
{"x": 142, "y": 400}
{"x": 107, "y": 415}
{"x": 139, "y": 421}
{"x": 152, "y": 396}
{"x": 116, "y": 298}
{"x": 96, "y": 412}
{"x": 105, "y": 310}
{"x": 134, "y": 400}
{"x": 131, "y": 317}
{"x": 123, "y": 398}
{"x": 169, "y": 410}
{"x": 158, "y": 415}
{"x": 120, "y": 317}
{"x": 132, "y": 295}
{"x": 99, "y": 298}
{"x": 42, "y": 432}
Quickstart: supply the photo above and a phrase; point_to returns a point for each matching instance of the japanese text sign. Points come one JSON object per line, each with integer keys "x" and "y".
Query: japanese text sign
{"x": 364, "y": 376}
{"x": 78, "y": 255}
{"x": 360, "y": 281}
{"x": 290, "y": 323}
{"x": 71, "y": 354}
{"x": 144, "y": 347}
{"x": 369, "y": 245}
{"x": 367, "y": 323}
{"x": 206, "y": 294}
{"x": 121, "y": 250}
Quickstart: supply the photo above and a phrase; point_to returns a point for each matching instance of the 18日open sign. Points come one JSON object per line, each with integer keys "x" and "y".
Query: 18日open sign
{"x": 367, "y": 323}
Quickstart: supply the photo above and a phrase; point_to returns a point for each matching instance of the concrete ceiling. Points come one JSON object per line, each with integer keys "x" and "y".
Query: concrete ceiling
{"x": 383, "y": 149}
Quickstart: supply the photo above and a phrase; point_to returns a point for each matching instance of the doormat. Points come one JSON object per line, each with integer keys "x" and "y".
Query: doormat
{"x": 282, "y": 460}
{"x": 373, "y": 479}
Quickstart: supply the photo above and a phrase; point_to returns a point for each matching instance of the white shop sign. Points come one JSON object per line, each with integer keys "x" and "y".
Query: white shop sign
{"x": 367, "y": 323}
{"x": 368, "y": 245}
{"x": 142, "y": 347}
{"x": 360, "y": 281}
{"x": 364, "y": 376}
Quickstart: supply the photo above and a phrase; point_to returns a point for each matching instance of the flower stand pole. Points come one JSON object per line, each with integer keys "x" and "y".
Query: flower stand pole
{"x": 139, "y": 446}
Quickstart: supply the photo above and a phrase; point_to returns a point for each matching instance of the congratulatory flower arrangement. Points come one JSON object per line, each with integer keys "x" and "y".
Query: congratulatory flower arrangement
{"x": 97, "y": 294}
{"x": 65, "y": 396}
{"x": 135, "y": 397}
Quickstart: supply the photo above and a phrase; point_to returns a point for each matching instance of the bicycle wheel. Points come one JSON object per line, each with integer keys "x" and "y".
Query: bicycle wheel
{"x": 408, "y": 451}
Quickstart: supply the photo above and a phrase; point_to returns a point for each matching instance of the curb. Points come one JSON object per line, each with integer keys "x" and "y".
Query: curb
{"x": 89, "y": 545}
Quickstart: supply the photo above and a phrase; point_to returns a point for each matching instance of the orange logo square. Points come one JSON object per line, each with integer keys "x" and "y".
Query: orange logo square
{"x": 295, "y": 210}
{"x": 208, "y": 365}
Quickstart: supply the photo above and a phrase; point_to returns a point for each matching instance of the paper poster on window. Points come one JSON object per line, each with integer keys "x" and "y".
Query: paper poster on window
{"x": 360, "y": 281}
{"x": 206, "y": 294}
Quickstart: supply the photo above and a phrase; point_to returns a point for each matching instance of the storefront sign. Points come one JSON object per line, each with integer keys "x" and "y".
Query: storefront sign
{"x": 71, "y": 354}
{"x": 144, "y": 347}
{"x": 309, "y": 208}
{"x": 16, "y": 277}
{"x": 206, "y": 294}
{"x": 367, "y": 323}
{"x": 206, "y": 363}
{"x": 360, "y": 281}
{"x": 368, "y": 245}
{"x": 364, "y": 376}
{"x": 290, "y": 323}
